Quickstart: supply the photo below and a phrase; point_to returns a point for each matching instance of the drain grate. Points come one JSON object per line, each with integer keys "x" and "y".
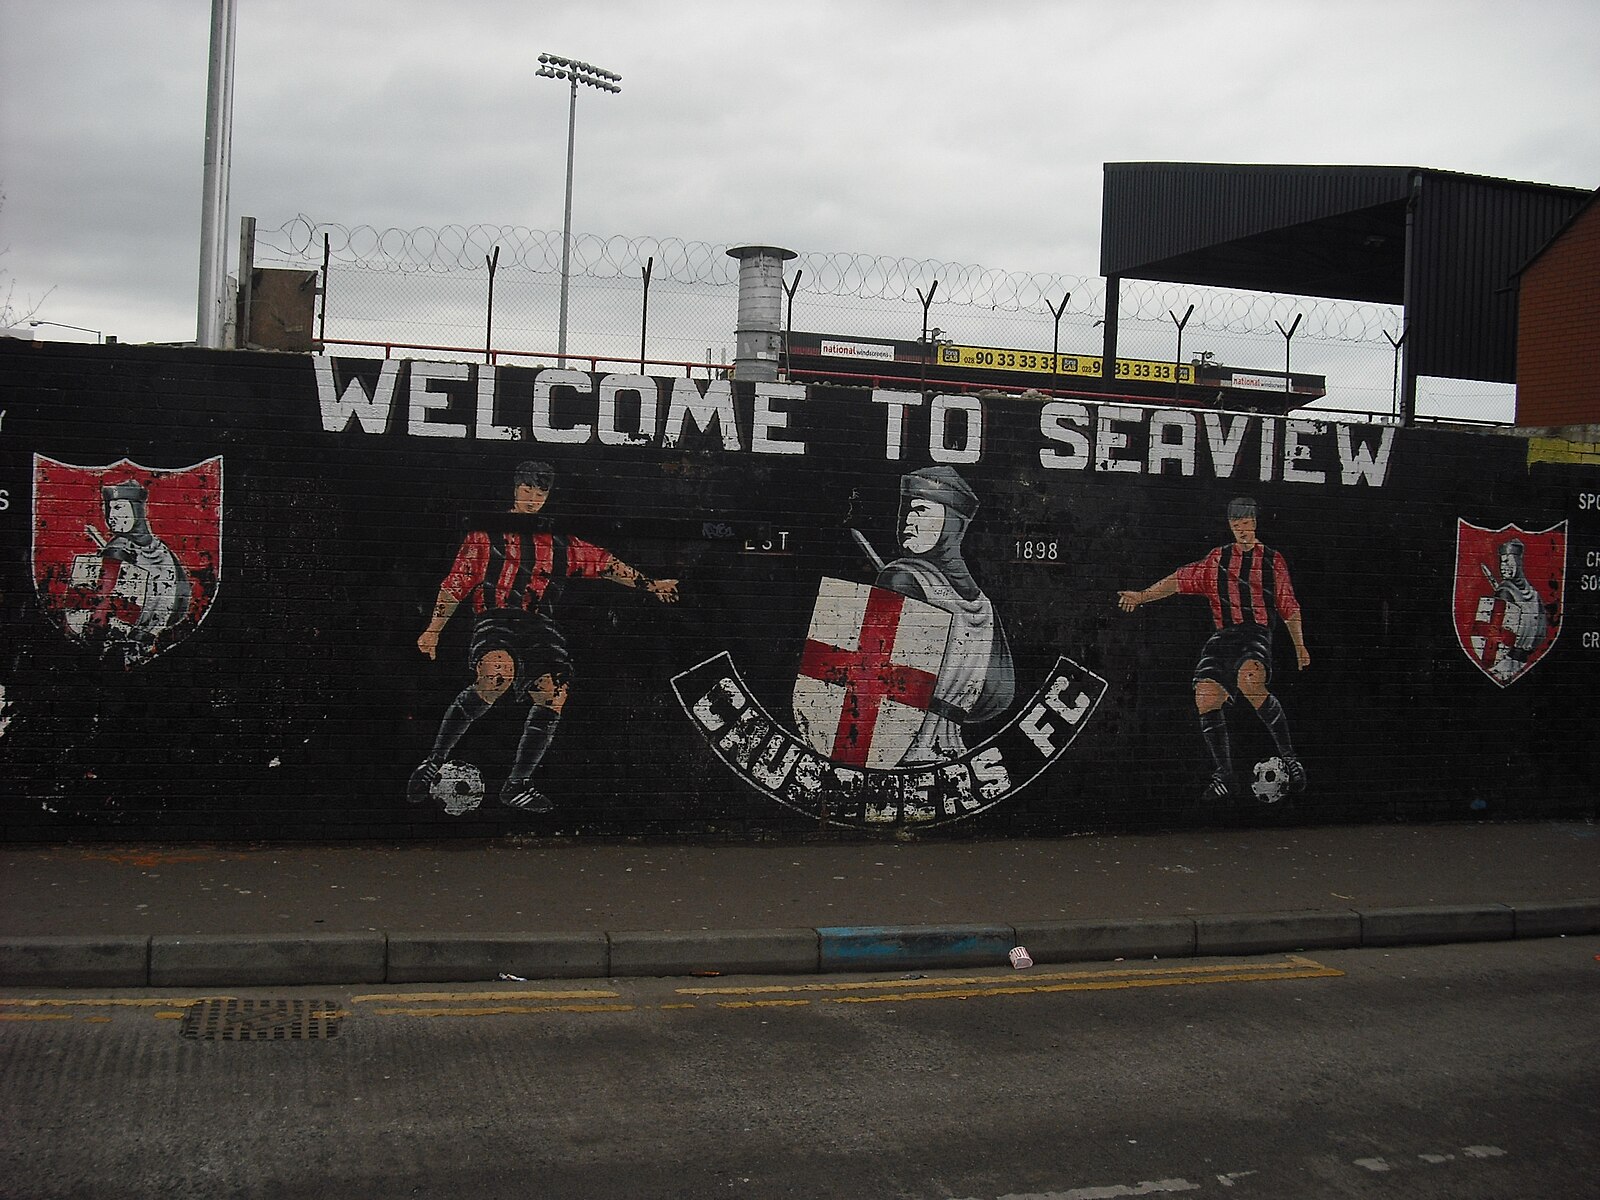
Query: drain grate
{"x": 235, "y": 1020}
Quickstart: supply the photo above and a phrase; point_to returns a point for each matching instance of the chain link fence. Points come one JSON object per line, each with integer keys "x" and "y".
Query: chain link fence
{"x": 672, "y": 304}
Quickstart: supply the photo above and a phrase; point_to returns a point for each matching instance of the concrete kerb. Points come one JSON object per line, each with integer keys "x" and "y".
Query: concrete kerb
{"x": 1556, "y": 918}
{"x": 110, "y": 962}
{"x": 896, "y": 947}
{"x": 714, "y": 952}
{"x": 464, "y": 957}
{"x": 277, "y": 959}
{"x": 222, "y": 960}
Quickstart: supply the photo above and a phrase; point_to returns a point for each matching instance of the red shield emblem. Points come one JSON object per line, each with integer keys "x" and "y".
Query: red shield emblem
{"x": 126, "y": 558}
{"x": 868, "y": 672}
{"x": 1508, "y": 596}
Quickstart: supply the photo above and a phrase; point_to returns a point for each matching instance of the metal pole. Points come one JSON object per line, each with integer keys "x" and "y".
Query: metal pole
{"x": 788, "y": 324}
{"x": 247, "y": 262}
{"x": 1177, "y": 362}
{"x": 490, "y": 261}
{"x": 322, "y": 319}
{"x": 566, "y": 227}
{"x": 1288, "y": 334}
{"x": 644, "y": 314}
{"x": 927, "y": 302}
{"x": 1055, "y": 341}
{"x": 553, "y": 66}
{"x": 214, "y": 191}
{"x": 1395, "y": 389}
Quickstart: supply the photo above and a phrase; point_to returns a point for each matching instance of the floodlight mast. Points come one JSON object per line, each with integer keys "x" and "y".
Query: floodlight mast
{"x": 553, "y": 66}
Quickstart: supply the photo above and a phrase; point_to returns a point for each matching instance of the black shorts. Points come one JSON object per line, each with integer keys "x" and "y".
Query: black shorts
{"x": 1228, "y": 649}
{"x": 532, "y": 640}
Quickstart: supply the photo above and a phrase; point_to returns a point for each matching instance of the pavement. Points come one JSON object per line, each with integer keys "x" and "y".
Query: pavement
{"x": 148, "y": 915}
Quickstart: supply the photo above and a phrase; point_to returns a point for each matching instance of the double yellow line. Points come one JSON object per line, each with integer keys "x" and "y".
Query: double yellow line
{"x": 531, "y": 1001}
{"x": 871, "y": 991}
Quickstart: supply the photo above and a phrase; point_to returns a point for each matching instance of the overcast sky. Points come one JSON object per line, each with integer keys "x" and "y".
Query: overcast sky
{"x": 926, "y": 129}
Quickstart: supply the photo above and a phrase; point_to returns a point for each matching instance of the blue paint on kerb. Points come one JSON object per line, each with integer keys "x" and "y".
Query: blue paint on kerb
{"x": 892, "y": 945}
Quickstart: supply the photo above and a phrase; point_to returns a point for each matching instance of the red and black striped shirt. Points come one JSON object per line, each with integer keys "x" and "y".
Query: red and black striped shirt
{"x": 1245, "y": 585}
{"x": 508, "y": 570}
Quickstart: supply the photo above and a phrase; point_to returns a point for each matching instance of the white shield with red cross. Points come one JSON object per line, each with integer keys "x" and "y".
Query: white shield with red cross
{"x": 1509, "y": 596}
{"x": 868, "y": 672}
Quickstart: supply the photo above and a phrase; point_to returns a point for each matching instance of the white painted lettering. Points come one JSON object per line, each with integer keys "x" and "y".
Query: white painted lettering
{"x": 613, "y": 386}
{"x": 425, "y": 401}
{"x": 1361, "y": 464}
{"x": 488, "y": 382}
{"x": 1040, "y": 732}
{"x": 939, "y": 447}
{"x": 1108, "y": 439}
{"x": 918, "y": 799}
{"x": 1181, "y": 451}
{"x": 1067, "y": 422}
{"x": 714, "y": 406}
{"x": 994, "y": 780}
{"x": 1225, "y": 442}
{"x": 1296, "y": 453}
{"x": 1269, "y": 448}
{"x": 371, "y": 412}
{"x": 544, "y": 430}
{"x": 1073, "y": 713}
{"x": 767, "y": 422}
{"x": 720, "y": 705}
{"x": 772, "y": 766}
{"x": 5, "y": 500}
{"x": 896, "y": 403}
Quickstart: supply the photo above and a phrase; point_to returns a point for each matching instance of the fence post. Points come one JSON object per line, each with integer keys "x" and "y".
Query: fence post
{"x": 492, "y": 262}
{"x": 644, "y": 314}
{"x": 1287, "y": 335}
{"x": 322, "y": 320}
{"x": 1177, "y": 362}
{"x": 1055, "y": 341}
{"x": 788, "y": 323}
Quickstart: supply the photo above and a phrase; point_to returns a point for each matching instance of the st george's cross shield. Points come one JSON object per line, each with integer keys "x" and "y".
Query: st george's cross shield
{"x": 126, "y": 558}
{"x": 1508, "y": 596}
{"x": 868, "y": 672}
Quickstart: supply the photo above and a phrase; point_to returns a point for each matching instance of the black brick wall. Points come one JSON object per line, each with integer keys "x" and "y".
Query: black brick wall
{"x": 300, "y": 703}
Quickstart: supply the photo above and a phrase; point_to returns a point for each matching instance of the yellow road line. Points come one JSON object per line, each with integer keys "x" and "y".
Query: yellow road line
{"x": 180, "y": 1002}
{"x": 1089, "y": 985}
{"x": 449, "y": 997}
{"x": 759, "y": 1004}
{"x": 35, "y": 1016}
{"x": 503, "y": 1010}
{"x": 1291, "y": 962}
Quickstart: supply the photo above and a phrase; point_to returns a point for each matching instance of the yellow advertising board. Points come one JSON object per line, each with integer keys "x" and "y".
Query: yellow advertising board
{"x": 988, "y": 358}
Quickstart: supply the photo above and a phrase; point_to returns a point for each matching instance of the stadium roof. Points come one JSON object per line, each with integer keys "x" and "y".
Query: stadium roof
{"x": 1444, "y": 245}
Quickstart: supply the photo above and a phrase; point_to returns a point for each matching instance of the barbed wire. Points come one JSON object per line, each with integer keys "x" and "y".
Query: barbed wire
{"x": 460, "y": 250}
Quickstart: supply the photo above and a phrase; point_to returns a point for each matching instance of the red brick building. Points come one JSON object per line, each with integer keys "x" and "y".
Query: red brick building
{"x": 1558, "y": 327}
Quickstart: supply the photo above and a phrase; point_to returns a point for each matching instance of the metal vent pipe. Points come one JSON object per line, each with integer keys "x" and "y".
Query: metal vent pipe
{"x": 758, "y": 336}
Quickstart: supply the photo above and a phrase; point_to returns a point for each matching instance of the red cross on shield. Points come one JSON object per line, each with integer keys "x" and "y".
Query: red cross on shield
{"x": 868, "y": 672}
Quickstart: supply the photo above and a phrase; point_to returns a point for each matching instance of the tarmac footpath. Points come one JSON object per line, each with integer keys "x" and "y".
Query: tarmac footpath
{"x": 149, "y": 915}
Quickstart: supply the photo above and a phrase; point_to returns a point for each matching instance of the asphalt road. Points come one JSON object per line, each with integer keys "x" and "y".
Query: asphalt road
{"x": 1451, "y": 1071}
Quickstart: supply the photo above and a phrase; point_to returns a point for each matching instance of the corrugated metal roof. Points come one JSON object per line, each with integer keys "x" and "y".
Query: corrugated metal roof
{"x": 1341, "y": 231}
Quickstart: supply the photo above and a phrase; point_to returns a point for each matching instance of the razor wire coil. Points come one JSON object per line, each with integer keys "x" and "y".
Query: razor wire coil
{"x": 464, "y": 250}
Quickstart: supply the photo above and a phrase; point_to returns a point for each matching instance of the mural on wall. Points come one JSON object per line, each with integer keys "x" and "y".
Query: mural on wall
{"x": 899, "y": 687}
{"x": 126, "y": 558}
{"x": 905, "y": 613}
{"x": 512, "y": 571}
{"x": 1247, "y": 585}
{"x": 1508, "y": 596}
